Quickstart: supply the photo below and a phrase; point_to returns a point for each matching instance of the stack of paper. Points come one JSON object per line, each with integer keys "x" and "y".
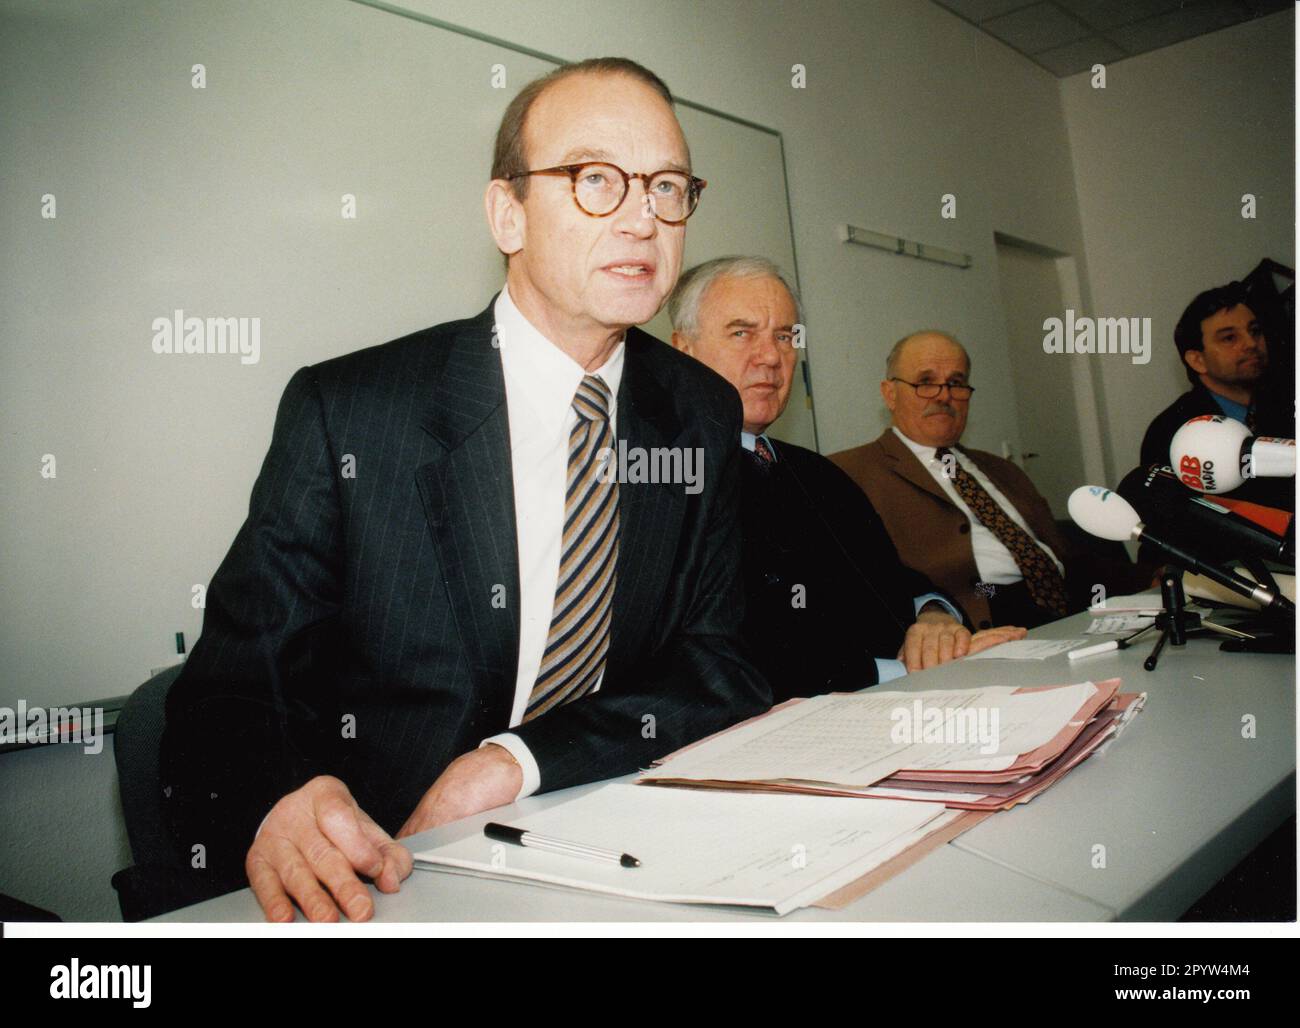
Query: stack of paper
{"x": 983, "y": 749}
{"x": 1118, "y": 624}
{"x": 763, "y": 824}
{"x": 1149, "y": 602}
{"x": 986, "y": 792}
{"x": 1027, "y": 649}
{"x": 773, "y": 852}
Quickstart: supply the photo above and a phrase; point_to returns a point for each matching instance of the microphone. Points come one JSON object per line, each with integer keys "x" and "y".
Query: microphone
{"x": 1218, "y": 527}
{"x": 1279, "y": 522}
{"x": 1216, "y": 454}
{"x": 1107, "y": 515}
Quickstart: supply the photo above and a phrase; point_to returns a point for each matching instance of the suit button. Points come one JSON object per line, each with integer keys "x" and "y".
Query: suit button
{"x": 985, "y": 624}
{"x": 965, "y": 527}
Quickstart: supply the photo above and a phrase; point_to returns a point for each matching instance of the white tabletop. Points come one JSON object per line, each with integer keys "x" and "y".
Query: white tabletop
{"x": 1179, "y": 798}
{"x": 947, "y": 885}
{"x": 1176, "y": 801}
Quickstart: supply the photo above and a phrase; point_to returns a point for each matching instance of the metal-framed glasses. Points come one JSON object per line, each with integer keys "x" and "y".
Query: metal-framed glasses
{"x": 931, "y": 390}
{"x": 599, "y": 189}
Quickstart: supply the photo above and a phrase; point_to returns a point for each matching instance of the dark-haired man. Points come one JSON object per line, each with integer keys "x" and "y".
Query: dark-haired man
{"x": 1224, "y": 352}
{"x": 478, "y": 613}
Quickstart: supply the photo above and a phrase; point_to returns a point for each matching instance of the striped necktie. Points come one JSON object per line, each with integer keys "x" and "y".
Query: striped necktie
{"x": 579, "y": 637}
{"x": 1042, "y": 578}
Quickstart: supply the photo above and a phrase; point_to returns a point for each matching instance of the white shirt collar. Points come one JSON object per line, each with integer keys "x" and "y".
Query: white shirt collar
{"x": 924, "y": 453}
{"x": 540, "y": 373}
{"x": 749, "y": 441}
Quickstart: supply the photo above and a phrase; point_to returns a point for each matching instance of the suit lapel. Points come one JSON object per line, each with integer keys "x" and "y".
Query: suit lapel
{"x": 468, "y": 491}
{"x": 907, "y": 465}
{"x": 648, "y": 512}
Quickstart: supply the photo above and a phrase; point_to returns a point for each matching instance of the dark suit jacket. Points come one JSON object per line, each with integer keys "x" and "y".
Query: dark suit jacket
{"x": 806, "y": 524}
{"x": 1271, "y": 492}
{"x": 357, "y": 628}
{"x": 931, "y": 533}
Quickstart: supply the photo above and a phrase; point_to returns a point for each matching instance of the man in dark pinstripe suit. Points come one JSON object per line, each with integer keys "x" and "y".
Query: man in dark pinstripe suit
{"x": 476, "y": 611}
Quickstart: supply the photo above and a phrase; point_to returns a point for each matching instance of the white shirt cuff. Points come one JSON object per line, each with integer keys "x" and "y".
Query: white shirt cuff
{"x": 888, "y": 669}
{"x": 921, "y": 601}
{"x": 524, "y": 756}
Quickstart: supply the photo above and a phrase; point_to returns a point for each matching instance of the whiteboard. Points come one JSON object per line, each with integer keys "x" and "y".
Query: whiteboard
{"x": 226, "y": 201}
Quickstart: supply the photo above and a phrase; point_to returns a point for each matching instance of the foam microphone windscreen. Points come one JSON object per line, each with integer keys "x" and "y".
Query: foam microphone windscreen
{"x": 1200, "y": 524}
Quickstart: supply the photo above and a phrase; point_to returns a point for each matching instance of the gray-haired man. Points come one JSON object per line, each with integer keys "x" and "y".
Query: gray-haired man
{"x": 829, "y": 606}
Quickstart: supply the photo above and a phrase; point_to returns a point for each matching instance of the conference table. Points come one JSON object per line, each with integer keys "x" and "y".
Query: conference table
{"x": 1137, "y": 832}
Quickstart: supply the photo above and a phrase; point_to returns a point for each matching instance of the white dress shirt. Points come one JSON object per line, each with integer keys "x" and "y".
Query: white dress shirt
{"x": 993, "y": 560}
{"x": 541, "y": 380}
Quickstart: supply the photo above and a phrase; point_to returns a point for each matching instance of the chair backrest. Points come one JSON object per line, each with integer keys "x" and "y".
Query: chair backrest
{"x": 1101, "y": 562}
{"x": 136, "y": 742}
{"x": 1092, "y": 548}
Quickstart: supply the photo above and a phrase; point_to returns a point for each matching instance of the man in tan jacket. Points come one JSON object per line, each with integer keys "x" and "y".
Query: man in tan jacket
{"x": 970, "y": 521}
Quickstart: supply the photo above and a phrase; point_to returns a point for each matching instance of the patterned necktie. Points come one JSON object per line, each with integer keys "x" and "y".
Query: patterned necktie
{"x": 762, "y": 451}
{"x": 579, "y": 637}
{"x": 1044, "y": 581}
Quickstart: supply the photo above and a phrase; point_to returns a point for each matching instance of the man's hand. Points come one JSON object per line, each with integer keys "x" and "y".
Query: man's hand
{"x": 479, "y": 780}
{"x": 992, "y": 636}
{"x": 933, "y": 639}
{"x": 937, "y": 638}
{"x": 318, "y": 834}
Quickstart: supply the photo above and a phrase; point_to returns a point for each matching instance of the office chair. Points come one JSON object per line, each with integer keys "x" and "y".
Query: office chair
{"x": 158, "y": 881}
{"x": 1107, "y": 563}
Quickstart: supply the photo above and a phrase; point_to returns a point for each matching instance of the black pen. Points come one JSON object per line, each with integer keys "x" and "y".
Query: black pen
{"x": 523, "y": 837}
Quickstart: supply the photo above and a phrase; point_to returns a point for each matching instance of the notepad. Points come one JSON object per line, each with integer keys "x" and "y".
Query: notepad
{"x": 1118, "y": 624}
{"x": 1027, "y": 649}
{"x": 1149, "y": 602}
{"x": 772, "y": 852}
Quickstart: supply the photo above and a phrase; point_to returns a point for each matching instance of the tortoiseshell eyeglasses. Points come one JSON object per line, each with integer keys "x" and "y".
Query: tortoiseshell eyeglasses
{"x": 599, "y": 189}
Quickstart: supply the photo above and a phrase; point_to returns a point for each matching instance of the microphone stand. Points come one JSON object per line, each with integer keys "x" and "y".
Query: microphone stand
{"x": 1175, "y": 621}
{"x": 1267, "y": 630}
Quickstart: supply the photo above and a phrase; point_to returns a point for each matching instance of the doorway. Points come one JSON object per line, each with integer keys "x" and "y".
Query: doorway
{"x": 1056, "y": 411}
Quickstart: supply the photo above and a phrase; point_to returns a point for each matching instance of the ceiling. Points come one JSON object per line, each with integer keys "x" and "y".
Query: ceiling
{"x": 1069, "y": 36}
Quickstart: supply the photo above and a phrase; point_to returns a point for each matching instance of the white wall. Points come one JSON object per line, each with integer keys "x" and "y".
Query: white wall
{"x": 1161, "y": 157}
{"x": 904, "y": 102}
{"x": 225, "y": 202}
